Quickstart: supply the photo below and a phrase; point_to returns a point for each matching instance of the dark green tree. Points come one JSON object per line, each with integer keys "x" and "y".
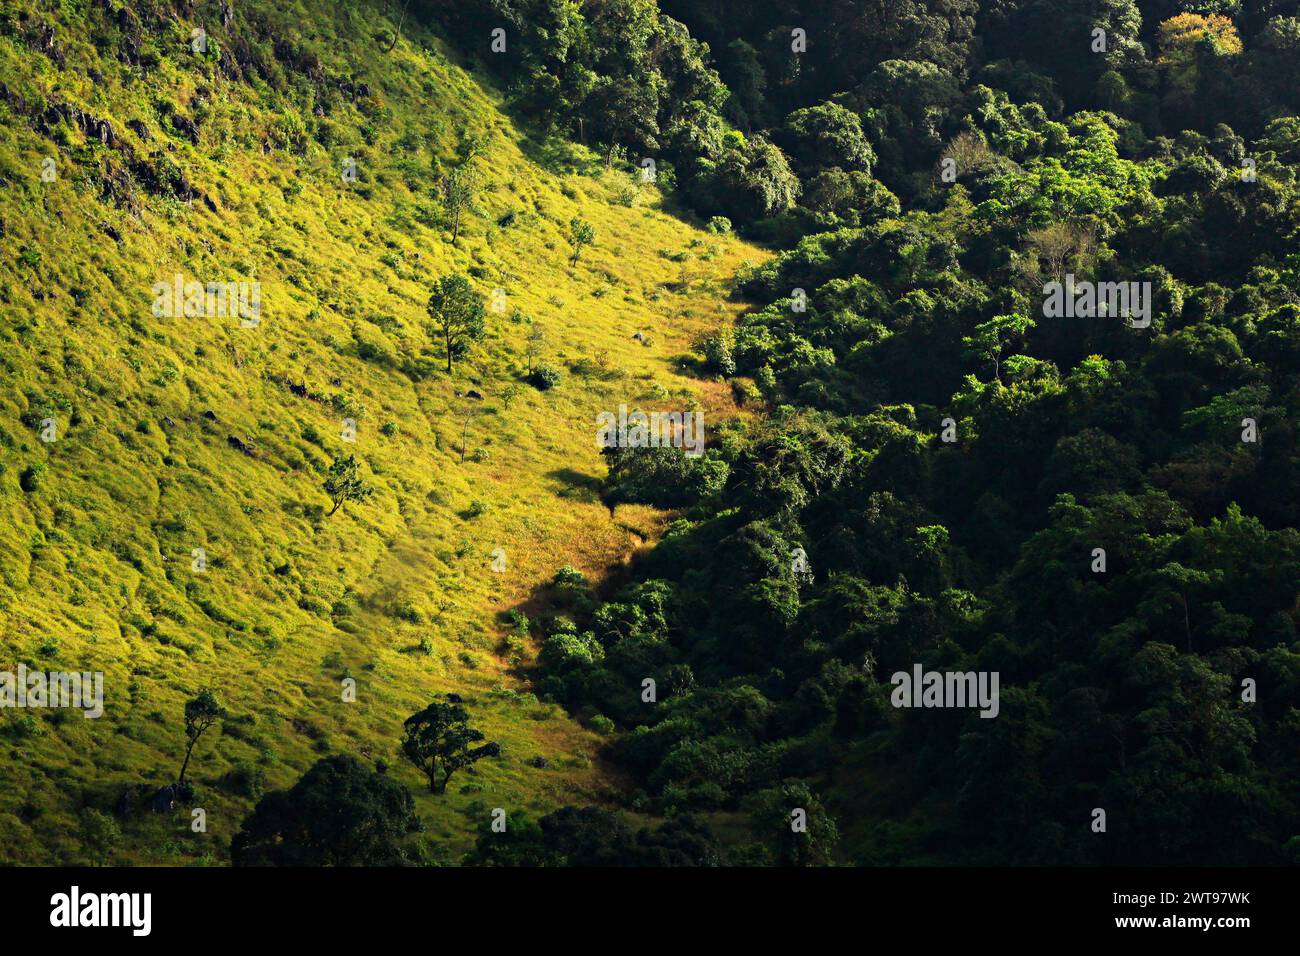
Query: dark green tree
{"x": 340, "y": 813}
{"x": 438, "y": 741}
{"x": 201, "y": 712}
{"x": 99, "y": 834}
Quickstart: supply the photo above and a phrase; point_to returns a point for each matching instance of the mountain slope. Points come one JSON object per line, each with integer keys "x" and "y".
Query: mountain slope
{"x": 176, "y": 434}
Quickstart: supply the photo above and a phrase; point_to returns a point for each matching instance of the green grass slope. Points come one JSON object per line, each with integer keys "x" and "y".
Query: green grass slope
{"x": 175, "y": 433}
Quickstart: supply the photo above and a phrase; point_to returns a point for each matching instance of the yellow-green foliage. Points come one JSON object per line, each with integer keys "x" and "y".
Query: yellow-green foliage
{"x": 95, "y": 561}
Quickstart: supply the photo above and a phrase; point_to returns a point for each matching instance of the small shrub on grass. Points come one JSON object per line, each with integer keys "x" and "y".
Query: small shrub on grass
{"x": 544, "y": 377}
{"x": 31, "y": 478}
{"x": 569, "y": 576}
{"x": 247, "y": 780}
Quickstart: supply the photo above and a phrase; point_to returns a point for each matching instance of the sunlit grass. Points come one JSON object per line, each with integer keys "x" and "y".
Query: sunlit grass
{"x": 398, "y": 592}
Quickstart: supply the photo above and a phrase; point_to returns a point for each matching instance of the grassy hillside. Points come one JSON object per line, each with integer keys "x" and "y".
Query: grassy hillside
{"x": 176, "y": 434}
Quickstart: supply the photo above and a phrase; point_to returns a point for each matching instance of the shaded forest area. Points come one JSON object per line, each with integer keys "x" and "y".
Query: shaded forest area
{"x": 1102, "y": 513}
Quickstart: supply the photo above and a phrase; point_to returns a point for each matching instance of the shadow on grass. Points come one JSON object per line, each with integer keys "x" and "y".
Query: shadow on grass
{"x": 577, "y": 486}
{"x": 556, "y": 155}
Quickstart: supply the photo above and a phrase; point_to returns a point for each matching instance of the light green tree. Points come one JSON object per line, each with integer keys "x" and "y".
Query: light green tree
{"x": 456, "y": 311}
{"x": 581, "y": 234}
{"x": 343, "y": 483}
{"x": 992, "y": 338}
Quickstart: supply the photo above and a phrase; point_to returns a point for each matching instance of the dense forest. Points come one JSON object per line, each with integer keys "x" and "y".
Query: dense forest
{"x": 1101, "y": 511}
{"x": 994, "y": 306}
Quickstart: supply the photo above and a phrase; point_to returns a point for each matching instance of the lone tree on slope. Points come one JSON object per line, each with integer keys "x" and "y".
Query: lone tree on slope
{"x": 581, "y": 234}
{"x": 343, "y": 483}
{"x": 460, "y": 184}
{"x": 200, "y": 713}
{"x": 438, "y": 738}
{"x": 456, "y": 311}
